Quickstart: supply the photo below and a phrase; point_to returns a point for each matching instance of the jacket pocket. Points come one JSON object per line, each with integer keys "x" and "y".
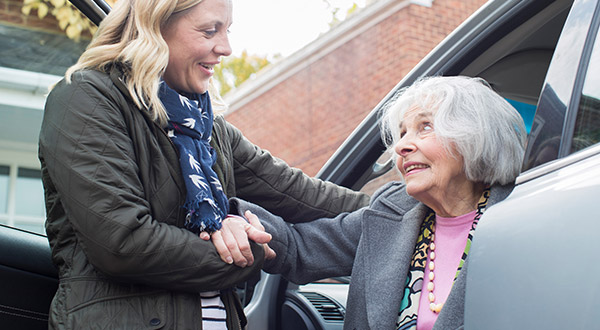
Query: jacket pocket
{"x": 141, "y": 311}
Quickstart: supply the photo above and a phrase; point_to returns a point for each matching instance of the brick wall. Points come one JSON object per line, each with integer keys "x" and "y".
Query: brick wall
{"x": 304, "y": 119}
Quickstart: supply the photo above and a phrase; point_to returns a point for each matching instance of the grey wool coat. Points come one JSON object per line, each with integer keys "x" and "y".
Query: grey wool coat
{"x": 374, "y": 244}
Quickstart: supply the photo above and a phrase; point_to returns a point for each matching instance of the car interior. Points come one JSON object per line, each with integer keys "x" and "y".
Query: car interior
{"x": 516, "y": 64}
{"x": 511, "y": 49}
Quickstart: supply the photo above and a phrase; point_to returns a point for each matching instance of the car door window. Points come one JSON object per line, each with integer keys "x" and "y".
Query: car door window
{"x": 587, "y": 124}
{"x": 552, "y": 130}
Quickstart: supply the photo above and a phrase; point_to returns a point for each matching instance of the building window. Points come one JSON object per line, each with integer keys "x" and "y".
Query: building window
{"x": 29, "y": 193}
{"x": 4, "y": 171}
{"x": 35, "y": 52}
{"x": 22, "y": 198}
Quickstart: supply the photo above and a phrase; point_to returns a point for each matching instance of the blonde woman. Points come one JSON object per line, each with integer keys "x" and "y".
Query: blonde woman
{"x": 136, "y": 166}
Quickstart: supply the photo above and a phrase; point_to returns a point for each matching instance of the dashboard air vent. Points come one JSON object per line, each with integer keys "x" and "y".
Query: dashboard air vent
{"x": 328, "y": 309}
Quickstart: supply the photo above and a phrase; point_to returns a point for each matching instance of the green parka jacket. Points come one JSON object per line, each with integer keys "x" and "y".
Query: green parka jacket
{"x": 114, "y": 193}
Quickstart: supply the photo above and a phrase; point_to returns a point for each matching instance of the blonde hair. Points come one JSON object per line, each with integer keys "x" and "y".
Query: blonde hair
{"x": 131, "y": 35}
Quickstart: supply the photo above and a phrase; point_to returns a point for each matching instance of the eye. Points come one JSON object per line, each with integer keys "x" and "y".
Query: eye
{"x": 426, "y": 127}
{"x": 210, "y": 33}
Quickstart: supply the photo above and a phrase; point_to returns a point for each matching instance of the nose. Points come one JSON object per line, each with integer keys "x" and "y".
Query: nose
{"x": 223, "y": 48}
{"x": 404, "y": 146}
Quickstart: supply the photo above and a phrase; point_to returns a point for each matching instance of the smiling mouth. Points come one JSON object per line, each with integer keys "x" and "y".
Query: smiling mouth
{"x": 207, "y": 66}
{"x": 414, "y": 167}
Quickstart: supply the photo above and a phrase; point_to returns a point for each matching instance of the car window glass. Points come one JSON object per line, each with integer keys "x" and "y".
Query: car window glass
{"x": 545, "y": 142}
{"x": 391, "y": 175}
{"x": 527, "y": 111}
{"x": 587, "y": 124}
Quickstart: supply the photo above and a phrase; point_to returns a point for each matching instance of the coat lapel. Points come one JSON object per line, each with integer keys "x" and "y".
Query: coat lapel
{"x": 390, "y": 234}
{"x": 390, "y": 239}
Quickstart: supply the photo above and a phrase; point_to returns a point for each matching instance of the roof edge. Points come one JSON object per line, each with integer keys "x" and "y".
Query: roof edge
{"x": 277, "y": 72}
{"x": 22, "y": 80}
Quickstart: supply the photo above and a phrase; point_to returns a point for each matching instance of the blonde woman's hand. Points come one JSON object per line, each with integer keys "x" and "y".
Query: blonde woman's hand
{"x": 232, "y": 240}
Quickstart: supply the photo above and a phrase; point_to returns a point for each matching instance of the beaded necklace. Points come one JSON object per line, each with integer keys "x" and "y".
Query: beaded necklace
{"x": 437, "y": 307}
{"x": 407, "y": 314}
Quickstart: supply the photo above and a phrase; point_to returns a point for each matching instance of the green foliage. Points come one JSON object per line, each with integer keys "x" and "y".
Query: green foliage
{"x": 336, "y": 12}
{"x": 69, "y": 18}
{"x": 233, "y": 71}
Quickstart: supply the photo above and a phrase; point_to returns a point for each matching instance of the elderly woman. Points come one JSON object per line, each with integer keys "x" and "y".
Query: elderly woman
{"x": 135, "y": 165}
{"x": 459, "y": 148}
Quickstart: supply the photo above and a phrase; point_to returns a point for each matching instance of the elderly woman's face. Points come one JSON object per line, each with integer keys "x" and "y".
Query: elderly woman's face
{"x": 429, "y": 171}
{"x": 197, "y": 39}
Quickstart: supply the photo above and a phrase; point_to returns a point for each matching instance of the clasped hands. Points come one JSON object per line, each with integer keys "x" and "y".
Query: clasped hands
{"x": 232, "y": 240}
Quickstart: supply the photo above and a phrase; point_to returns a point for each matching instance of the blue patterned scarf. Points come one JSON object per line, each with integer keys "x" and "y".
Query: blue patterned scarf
{"x": 190, "y": 128}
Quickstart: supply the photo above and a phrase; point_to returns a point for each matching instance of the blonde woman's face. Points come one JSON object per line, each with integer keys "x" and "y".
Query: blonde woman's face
{"x": 197, "y": 40}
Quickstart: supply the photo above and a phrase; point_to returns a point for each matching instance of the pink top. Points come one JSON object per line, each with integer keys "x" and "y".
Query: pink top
{"x": 450, "y": 241}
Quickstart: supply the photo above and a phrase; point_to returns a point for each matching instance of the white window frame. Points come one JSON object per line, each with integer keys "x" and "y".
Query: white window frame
{"x": 15, "y": 156}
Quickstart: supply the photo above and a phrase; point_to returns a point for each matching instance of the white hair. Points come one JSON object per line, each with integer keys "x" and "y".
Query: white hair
{"x": 482, "y": 126}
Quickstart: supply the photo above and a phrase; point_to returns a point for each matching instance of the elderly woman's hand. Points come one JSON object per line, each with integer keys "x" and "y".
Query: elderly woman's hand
{"x": 260, "y": 230}
{"x": 232, "y": 240}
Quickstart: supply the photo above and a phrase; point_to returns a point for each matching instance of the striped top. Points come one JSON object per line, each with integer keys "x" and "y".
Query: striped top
{"x": 213, "y": 311}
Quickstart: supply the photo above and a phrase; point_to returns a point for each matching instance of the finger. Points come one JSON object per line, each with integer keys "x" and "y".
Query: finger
{"x": 243, "y": 244}
{"x": 254, "y": 221}
{"x": 232, "y": 245}
{"x": 221, "y": 247}
{"x": 205, "y": 236}
{"x": 256, "y": 231}
{"x": 269, "y": 253}
{"x": 236, "y": 226}
{"x": 257, "y": 235}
